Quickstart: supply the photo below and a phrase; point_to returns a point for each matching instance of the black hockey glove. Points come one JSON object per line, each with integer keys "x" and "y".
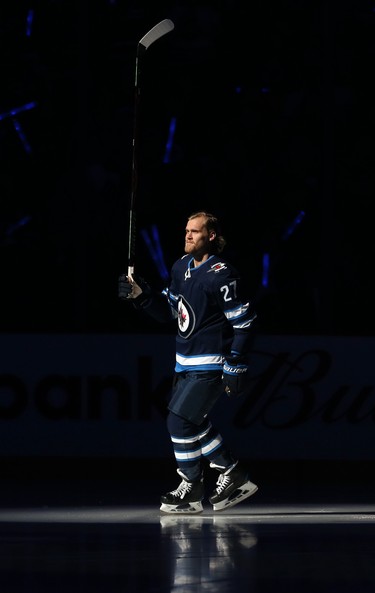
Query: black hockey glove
{"x": 125, "y": 287}
{"x": 235, "y": 376}
{"x": 133, "y": 290}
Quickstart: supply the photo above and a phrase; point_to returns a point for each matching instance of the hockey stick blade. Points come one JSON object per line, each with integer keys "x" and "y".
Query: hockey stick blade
{"x": 156, "y": 32}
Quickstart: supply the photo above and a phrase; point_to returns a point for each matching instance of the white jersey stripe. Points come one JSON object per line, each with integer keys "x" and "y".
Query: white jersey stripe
{"x": 205, "y": 359}
{"x": 239, "y": 312}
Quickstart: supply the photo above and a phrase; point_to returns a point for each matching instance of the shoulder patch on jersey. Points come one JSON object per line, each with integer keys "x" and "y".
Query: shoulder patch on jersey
{"x": 217, "y": 267}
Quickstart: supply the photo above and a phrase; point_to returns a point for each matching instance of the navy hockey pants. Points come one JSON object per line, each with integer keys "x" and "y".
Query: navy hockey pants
{"x": 193, "y": 437}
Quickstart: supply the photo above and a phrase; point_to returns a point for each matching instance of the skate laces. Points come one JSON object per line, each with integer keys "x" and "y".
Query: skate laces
{"x": 223, "y": 481}
{"x": 183, "y": 489}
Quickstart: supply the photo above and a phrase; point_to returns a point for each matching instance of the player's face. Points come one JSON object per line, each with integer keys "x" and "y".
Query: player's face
{"x": 197, "y": 237}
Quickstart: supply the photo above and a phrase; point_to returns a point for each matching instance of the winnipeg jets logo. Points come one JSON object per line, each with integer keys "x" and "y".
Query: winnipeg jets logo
{"x": 186, "y": 318}
{"x": 217, "y": 267}
{"x": 183, "y": 317}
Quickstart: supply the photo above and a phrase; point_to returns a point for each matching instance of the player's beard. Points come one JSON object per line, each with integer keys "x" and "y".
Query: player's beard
{"x": 189, "y": 248}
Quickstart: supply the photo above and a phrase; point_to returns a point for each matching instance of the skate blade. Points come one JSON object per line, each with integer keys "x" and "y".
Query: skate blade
{"x": 187, "y": 509}
{"x": 237, "y": 496}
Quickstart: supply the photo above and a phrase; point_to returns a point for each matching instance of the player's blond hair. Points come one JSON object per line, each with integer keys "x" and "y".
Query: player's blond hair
{"x": 212, "y": 224}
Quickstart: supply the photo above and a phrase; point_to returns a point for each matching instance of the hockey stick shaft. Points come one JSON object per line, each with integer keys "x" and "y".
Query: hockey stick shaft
{"x": 153, "y": 35}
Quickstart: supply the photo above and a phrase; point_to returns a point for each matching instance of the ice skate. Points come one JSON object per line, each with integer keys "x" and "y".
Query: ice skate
{"x": 187, "y": 498}
{"x": 232, "y": 487}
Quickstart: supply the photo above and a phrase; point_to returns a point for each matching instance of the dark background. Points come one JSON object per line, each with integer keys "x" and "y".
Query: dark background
{"x": 274, "y": 110}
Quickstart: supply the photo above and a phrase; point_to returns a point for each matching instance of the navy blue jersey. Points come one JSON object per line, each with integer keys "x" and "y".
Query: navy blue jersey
{"x": 213, "y": 319}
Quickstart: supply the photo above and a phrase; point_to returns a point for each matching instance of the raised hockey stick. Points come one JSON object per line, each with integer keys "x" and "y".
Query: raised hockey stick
{"x": 153, "y": 35}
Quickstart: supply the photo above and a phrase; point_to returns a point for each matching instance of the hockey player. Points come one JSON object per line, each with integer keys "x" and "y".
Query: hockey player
{"x": 215, "y": 325}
